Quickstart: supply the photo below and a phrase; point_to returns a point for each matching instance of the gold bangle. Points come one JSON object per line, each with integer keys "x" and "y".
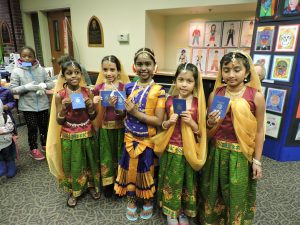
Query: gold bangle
{"x": 197, "y": 131}
{"x": 163, "y": 126}
{"x": 256, "y": 162}
{"x": 209, "y": 125}
{"x": 61, "y": 117}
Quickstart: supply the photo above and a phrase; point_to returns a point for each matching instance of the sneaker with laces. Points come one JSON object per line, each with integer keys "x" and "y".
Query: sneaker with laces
{"x": 36, "y": 154}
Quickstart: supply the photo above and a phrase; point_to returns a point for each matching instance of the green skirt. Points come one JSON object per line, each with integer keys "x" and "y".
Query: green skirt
{"x": 111, "y": 146}
{"x": 79, "y": 161}
{"x": 176, "y": 184}
{"x": 228, "y": 192}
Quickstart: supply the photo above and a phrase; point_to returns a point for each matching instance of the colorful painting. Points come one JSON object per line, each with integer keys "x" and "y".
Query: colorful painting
{"x": 272, "y": 125}
{"x": 196, "y": 35}
{"x": 213, "y": 33}
{"x": 287, "y": 38}
{"x": 264, "y": 38}
{"x": 263, "y": 61}
{"x": 213, "y": 59}
{"x": 275, "y": 100}
{"x": 183, "y": 56}
{"x": 291, "y": 8}
{"x": 298, "y": 111}
{"x": 199, "y": 58}
{"x": 231, "y": 34}
{"x": 267, "y": 8}
{"x": 247, "y": 33}
{"x": 297, "y": 138}
{"x": 282, "y": 67}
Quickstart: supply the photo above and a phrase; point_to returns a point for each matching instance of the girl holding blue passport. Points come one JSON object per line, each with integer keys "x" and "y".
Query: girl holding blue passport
{"x": 182, "y": 146}
{"x": 145, "y": 106}
{"x": 110, "y": 84}
{"x": 228, "y": 183}
{"x": 72, "y": 157}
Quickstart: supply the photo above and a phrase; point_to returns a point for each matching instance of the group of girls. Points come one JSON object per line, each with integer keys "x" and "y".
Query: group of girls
{"x": 122, "y": 151}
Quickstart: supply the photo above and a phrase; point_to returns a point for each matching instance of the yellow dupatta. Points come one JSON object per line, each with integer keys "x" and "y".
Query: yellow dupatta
{"x": 53, "y": 144}
{"x": 244, "y": 122}
{"x": 195, "y": 153}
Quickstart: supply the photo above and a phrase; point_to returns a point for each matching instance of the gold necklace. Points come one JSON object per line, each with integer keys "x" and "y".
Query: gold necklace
{"x": 235, "y": 94}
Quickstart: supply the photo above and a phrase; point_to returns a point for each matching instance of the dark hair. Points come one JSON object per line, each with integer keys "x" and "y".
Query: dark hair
{"x": 189, "y": 67}
{"x": 213, "y": 25}
{"x": 226, "y": 59}
{"x": 65, "y": 65}
{"x": 146, "y": 50}
{"x": 64, "y": 58}
{"x": 29, "y": 48}
{"x": 113, "y": 59}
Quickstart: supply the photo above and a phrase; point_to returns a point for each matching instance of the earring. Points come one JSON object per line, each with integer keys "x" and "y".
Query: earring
{"x": 245, "y": 80}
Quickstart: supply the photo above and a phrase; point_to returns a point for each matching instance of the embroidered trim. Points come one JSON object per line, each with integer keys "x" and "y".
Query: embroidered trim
{"x": 78, "y": 124}
{"x": 228, "y": 146}
{"x": 75, "y": 136}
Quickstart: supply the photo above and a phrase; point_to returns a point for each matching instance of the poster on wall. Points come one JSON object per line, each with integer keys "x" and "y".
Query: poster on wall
{"x": 183, "y": 56}
{"x": 247, "y": 33}
{"x": 231, "y": 34}
{"x": 213, "y": 34}
{"x": 263, "y": 61}
{"x": 291, "y": 8}
{"x": 273, "y": 125}
{"x": 199, "y": 58}
{"x": 264, "y": 38}
{"x": 275, "y": 100}
{"x": 196, "y": 34}
{"x": 287, "y": 38}
{"x": 213, "y": 58}
{"x": 282, "y": 67}
{"x": 266, "y": 9}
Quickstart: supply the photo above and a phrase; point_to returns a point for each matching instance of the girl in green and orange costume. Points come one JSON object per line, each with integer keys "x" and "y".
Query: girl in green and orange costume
{"x": 228, "y": 183}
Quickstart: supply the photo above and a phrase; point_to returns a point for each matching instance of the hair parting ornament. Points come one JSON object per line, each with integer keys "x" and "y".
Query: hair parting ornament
{"x": 73, "y": 65}
{"x": 233, "y": 58}
{"x": 184, "y": 69}
{"x": 144, "y": 52}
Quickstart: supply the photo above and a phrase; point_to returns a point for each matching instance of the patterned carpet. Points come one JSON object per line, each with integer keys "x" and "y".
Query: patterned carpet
{"x": 33, "y": 197}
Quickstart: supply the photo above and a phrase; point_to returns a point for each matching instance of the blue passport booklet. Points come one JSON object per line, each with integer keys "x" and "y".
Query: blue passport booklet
{"x": 26, "y": 64}
{"x": 77, "y": 101}
{"x": 220, "y": 103}
{"x": 120, "y": 105}
{"x": 179, "y": 105}
{"x": 105, "y": 98}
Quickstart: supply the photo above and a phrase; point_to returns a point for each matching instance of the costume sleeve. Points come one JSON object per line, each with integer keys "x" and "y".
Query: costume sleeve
{"x": 161, "y": 102}
{"x": 15, "y": 83}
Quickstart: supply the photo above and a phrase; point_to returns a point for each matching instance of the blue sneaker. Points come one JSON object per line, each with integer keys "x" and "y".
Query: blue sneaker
{"x": 11, "y": 169}
{"x": 2, "y": 168}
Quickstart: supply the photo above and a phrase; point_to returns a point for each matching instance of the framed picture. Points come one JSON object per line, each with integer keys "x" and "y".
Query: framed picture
{"x": 199, "y": 58}
{"x": 272, "y": 125}
{"x": 287, "y": 38}
{"x": 231, "y": 34}
{"x": 264, "y": 62}
{"x": 266, "y": 9}
{"x": 275, "y": 100}
{"x": 213, "y": 34}
{"x": 282, "y": 67}
{"x": 95, "y": 33}
{"x": 183, "y": 56}
{"x": 264, "y": 38}
{"x": 247, "y": 33}
{"x": 290, "y": 8}
{"x": 213, "y": 59}
{"x": 196, "y": 34}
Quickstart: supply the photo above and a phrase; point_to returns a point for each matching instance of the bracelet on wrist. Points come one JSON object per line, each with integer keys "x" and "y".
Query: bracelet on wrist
{"x": 163, "y": 125}
{"x": 256, "y": 162}
{"x": 60, "y": 117}
{"x": 197, "y": 131}
{"x": 209, "y": 125}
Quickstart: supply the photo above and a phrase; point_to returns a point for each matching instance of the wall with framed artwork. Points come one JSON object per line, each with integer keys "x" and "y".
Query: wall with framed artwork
{"x": 275, "y": 45}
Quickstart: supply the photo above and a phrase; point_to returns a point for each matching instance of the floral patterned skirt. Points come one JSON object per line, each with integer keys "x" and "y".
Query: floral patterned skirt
{"x": 227, "y": 189}
{"x": 80, "y": 165}
{"x": 176, "y": 184}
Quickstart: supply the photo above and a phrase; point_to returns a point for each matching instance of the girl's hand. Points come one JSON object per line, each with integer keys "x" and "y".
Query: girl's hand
{"x": 187, "y": 118}
{"x": 65, "y": 103}
{"x": 96, "y": 99}
{"x": 256, "y": 171}
{"x": 130, "y": 106}
{"x": 113, "y": 100}
{"x": 89, "y": 103}
{"x": 173, "y": 119}
{"x": 213, "y": 117}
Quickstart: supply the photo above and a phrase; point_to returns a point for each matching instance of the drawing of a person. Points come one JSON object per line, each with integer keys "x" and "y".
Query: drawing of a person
{"x": 230, "y": 35}
{"x": 215, "y": 62}
{"x": 212, "y": 35}
{"x": 196, "y": 35}
{"x": 292, "y": 8}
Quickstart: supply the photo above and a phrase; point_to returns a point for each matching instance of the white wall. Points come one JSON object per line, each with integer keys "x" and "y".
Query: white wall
{"x": 117, "y": 17}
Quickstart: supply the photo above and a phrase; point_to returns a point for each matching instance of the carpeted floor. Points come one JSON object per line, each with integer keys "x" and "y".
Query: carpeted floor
{"x": 33, "y": 197}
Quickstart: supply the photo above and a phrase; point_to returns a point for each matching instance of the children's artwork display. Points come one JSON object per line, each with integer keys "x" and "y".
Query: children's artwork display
{"x": 199, "y": 58}
{"x": 183, "y": 56}
{"x": 291, "y": 8}
{"x": 287, "y": 38}
{"x": 264, "y": 38}
{"x": 213, "y": 34}
{"x": 247, "y": 33}
{"x": 275, "y": 100}
{"x": 282, "y": 67}
{"x": 263, "y": 61}
{"x": 196, "y": 34}
{"x": 272, "y": 125}
{"x": 213, "y": 59}
{"x": 231, "y": 34}
{"x": 266, "y": 8}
